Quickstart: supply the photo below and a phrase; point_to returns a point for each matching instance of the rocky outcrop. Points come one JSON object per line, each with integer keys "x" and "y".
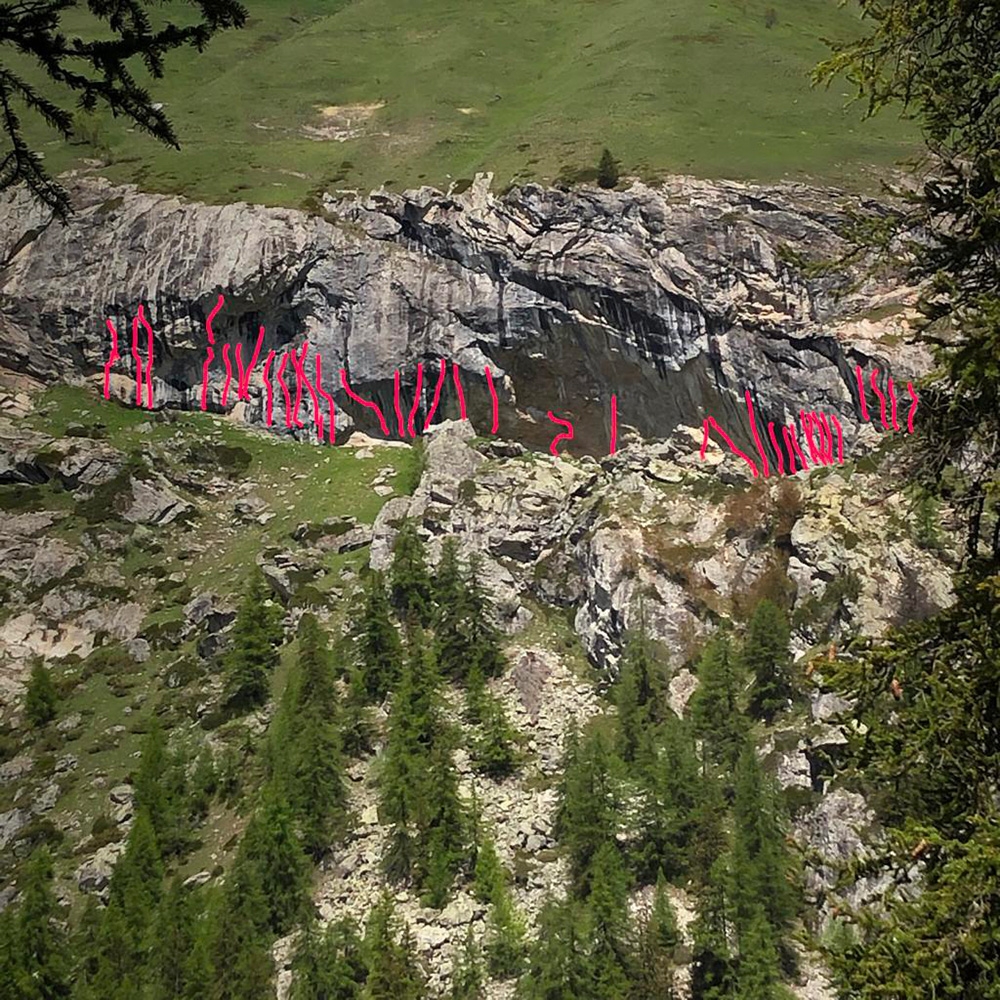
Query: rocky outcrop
{"x": 676, "y": 298}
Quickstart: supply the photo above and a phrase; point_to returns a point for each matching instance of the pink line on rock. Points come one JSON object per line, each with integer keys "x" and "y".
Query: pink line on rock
{"x": 210, "y": 351}
{"x": 567, "y": 436}
{"x": 229, "y": 373}
{"x": 892, "y": 398}
{"x": 149, "y": 357}
{"x": 756, "y": 436}
{"x": 458, "y": 388}
{"x": 840, "y": 439}
{"x": 614, "y": 424}
{"x": 881, "y": 398}
{"x": 861, "y": 392}
{"x": 805, "y": 422}
{"x": 493, "y": 397}
{"x": 270, "y": 388}
{"x": 437, "y": 393}
{"x": 416, "y": 399}
{"x": 777, "y": 448}
{"x": 790, "y": 435}
{"x": 364, "y": 402}
{"x": 725, "y": 437}
{"x": 298, "y": 365}
{"x": 112, "y": 358}
{"x": 243, "y": 379}
{"x": 913, "y": 406}
{"x": 397, "y": 405}
{"x": 825, "y": 438}
{"x": 331, "y": 423}
{"x": 138, "y": 361}
{"x": 284, "y": 389}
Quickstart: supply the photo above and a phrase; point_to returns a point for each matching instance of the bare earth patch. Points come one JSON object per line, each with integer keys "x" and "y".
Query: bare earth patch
{"x": 340, "y": 122}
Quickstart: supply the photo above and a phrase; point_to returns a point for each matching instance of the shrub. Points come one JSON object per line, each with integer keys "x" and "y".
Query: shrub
{"x": 608, "y": 173}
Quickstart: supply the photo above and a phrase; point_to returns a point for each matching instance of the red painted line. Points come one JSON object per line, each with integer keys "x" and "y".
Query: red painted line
{"x": 566, "y": 436}
{"x": 756, "y": 436}
{"x": 913, "y": 406}
{"x": 840, "y": 439}
{"x": 210, "y": 351}
{"x": 300, "y": 377}
{"x": 458, "y": 388}
{"x": 112, "y": 358}
{"x": 825, "y": 438}
{"x": 416, "y": 399}
{"x": 777, "y": 448}
{"x": 284, "y": 389}
{"x": 614, "y": 424}
{"x": 331, "y": 422}
{"x": 805, "y": 421}
{"x": 892, "y": 398}
{"x": 861, "y": 392}
{"x": 396, "y": 404}
{"x": 243, "y": 379}
{"x": 725, "y": 437}
{"x": 149, "y": 357}
{"x": 496, "y": 402}
{"x": 881, "y": 398}
{"x": 138, "y": 362}
{"x": 229, "y": 373}
{"x": 437, "y": 394}
{"x": 790, "y": 434}
{"x": 270, "y": 388}
{"x": 364, "y": 402}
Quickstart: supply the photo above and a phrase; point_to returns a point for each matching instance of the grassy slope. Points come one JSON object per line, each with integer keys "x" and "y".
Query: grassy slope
{"x": 668, "y": 85}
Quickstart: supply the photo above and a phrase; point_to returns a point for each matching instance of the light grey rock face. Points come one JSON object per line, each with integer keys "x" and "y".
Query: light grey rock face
{"x": 676, "y": 298}
{"x": 53, "y": 560}
{"x": 154, "y": 502}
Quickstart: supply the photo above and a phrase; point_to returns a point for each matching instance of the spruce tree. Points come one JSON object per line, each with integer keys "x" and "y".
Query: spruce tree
{"x": 137, "y": 885}
{"x": 558, "y": 968}
{"x": 505, "y": 935}
{"x": 328, "y": 964}
{"x": 393, "y": 970}
{"x": 451, "y": 644}
{"x": 157, "y": 792}
{"x": 356, "y": 731}
{"x": 380, "y": 652}
{"x": 494, "y": 749}
{"x": 41, "y": 962}
{"x": 713, "y": 974}
{"x": 608, "y": 923}
{"x": 238, "y": 924}
{"x": 409, "y": 579}
{"x": 634, "y": 690}
{"x": 41, "y": 700}
{"x": 656, "y": 942}
{"x": 758, "y": 969}
{"x": 489, "y": 876}
{"x": 252, "y": 654}
{"x": 467, "y": 971}
{"x": 482, "y": 635}
{"x": 172, "y": 940}
{"x": 199, "y": 971}
{"x": 714, "y": 706}
{"x": 767, "y": 660}
{"x": 607, "y": 170}
{"x": 9, "y": 959}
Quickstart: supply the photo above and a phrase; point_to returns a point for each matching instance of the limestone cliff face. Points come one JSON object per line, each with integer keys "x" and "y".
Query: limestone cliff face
{"x": 676, "y": 299}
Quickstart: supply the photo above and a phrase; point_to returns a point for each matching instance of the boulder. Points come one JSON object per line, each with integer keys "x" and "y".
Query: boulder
{"x": 54, "y": 559}
{"x": 155, "y": 503}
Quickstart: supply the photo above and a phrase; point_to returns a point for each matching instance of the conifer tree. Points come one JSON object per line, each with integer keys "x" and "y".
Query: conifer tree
{"x": 380, "y": 652}
{"x": 356, "y": 732}
{"x": 409, "y": 579}
{"x": 586, "y": 816}
{"x": 329, "y": 965}
{"x": 758, "y": 971}
{"x": 467, "y": 971}
{"x": 41, "y": 701}
{"x": 482, "y": 635}
{"x": 608, "y": 923}
{"x": 767, "y": 660}
{"x": 41, "y": 962}
{"x": 634, "y": 691}
{"x": 136, "y": 884}
{"x": 172, "y": 940}
{"x": 199, "y": 971}
{"x": 713, "y": 975}
{"x": 475, "y": 695}
{"x": 494, "y": 750}
{"x": 393, "y": 970}
{"x": 558, "y": 968}
{"x": 714, "y": 706}
{"x": 204, "y": 785}
{"x": 451, "y": 641}
{"x": 505, "y": 934}
{"x": 252, "y": 654}
{"x": 708, "y": 834}
{"x": 85, "y": 948}
{"x": 657, "y": 939}
{"x": 9, "y": 965}
{"x": 239, "y": 936}
{"x": 489, "y": 876}
{"x": 155, "y": 793}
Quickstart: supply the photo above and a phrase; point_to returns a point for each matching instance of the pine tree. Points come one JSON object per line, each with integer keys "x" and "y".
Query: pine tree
{"x": 505, "y": 935}
{"x": 356, "y": 732}
{"x": 714, "y": 707}
{"x": 608, "y": 923}
{"x": 328, "y": 964}
{"x": 588, "y": 804}
{"x": 758, "y": 974}
{"x": 199, "y": 970}
{"x": 137, "y": 885}
{"x": 713, "y": 975}
{"x": 558, "y": 968}
{"x": 767, "y": 660}
{"x": 451, "y": 643}
{"x": 482, "y": 635}
{"x": 172, "y": 940}
{"x": 393, "y": 971}
{"x": 204, "y": 785}
{"x": 633, "y": 692}
{"x": 156, "y": 793}
{"x": 475, "y": 695}
{"x": 489, "y": 876}
{"x": 467, "y": 971}
{"x": 494, "y": 750}
{"x": 41, "y": 700}
{"x": 238, "y": 924}
{"x": 41, "y": 962}
{"x": 607, "y": 170}
{"x": 409, "y": 579}
{"x": 270, "y": 845}
{"x": 85, "y": 948}
{"x": 657, "y": 938}
{"x": 380, "y": 652}
{"x": 708, "y": 835}
{"x": 252, "y": 654}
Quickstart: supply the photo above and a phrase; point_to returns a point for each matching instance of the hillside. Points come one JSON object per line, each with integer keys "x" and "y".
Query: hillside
{"x": 361, "y": 93}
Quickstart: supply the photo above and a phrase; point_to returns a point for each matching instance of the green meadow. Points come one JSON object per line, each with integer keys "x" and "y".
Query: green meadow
{"x": 354, "y": 94}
